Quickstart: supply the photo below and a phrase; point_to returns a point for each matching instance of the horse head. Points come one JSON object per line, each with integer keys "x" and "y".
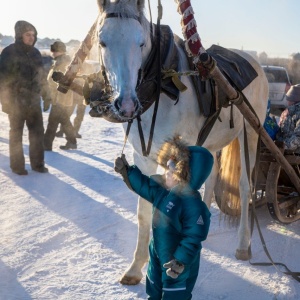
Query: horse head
{"x": 124, "y": 43}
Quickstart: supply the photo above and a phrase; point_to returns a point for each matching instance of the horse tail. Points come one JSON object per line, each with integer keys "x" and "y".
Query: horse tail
{"x": 227, "y": 188}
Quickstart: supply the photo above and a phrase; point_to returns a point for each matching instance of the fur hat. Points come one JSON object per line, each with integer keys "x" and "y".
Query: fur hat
{"x": 178, "y": 151}
{"x": 58, "y": 46}
{"x": 293, "y": 94}
{"x": 23, "y": 26}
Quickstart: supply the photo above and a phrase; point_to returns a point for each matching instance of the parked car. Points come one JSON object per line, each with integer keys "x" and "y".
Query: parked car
{"x": 279, "y": 84}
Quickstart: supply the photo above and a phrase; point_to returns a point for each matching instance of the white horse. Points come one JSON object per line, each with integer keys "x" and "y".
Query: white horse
{"x": 124, "y": 37}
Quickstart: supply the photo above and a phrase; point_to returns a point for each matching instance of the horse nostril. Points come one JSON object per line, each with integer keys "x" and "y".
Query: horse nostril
{"x": 117, "y": 105}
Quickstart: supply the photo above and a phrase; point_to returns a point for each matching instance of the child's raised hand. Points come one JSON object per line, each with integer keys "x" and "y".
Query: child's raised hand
{"x": 120, "y": 164}
{"x": 175, "y": 268}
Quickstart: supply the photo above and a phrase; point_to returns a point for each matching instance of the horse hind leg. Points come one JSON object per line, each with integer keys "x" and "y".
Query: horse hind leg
{"x": 242, "y": 252}
{"x": 133, "y": 275}
{"x": 234, "y": 196}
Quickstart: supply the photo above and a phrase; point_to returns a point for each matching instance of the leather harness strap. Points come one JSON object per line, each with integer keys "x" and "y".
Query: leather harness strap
{"x": 146, "y": 151}
{"x": 158, "y": 80}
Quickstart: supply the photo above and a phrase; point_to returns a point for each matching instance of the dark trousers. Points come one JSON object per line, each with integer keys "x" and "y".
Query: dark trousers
{"x": 80, "y": 112}
{"x": 59, "y": 114}
{"x": 33, "y": 118}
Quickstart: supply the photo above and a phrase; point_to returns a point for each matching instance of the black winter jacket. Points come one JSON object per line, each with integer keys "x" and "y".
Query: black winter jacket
{"x": 22, "y": 77}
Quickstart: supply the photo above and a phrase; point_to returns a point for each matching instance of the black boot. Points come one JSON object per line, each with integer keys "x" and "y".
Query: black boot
{"x": 68, "y": 146}
{"x": 20, "y": 172}
{"x": 40, "y": 169}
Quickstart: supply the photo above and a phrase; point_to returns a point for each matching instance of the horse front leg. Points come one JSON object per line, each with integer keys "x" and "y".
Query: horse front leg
{"x": 133, "y": 275}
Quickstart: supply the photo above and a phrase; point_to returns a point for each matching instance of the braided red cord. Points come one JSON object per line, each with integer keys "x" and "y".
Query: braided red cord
{"x": 189, "y": 28}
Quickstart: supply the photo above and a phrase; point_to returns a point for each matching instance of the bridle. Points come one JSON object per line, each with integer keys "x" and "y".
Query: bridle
{"x": 108, "y": 88}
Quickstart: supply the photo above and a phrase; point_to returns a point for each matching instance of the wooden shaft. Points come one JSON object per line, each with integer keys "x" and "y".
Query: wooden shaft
{"x": 223, "y": 84}
{"x": 197, "y": 50}
{"x": 77, "y": 61}
{"x": 77, "y": 88}
{"x": 256, "y": 125}
{"x": 234, "y": 96}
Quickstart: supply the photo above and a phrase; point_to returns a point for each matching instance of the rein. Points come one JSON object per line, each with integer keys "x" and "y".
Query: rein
{"x": 146, "y": 150}
{"x": 159, "y": 17}
{"x": 158, "y": 77}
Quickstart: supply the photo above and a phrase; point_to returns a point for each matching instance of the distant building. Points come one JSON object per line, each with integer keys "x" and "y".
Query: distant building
{"x": 252, "y": 53}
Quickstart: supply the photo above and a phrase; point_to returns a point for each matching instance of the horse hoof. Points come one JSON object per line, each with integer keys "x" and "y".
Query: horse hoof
{"x": 130, "y": 280}
{"x": 242, "y": 254}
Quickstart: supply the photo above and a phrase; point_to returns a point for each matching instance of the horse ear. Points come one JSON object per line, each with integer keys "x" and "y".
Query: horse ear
{"x": 101, "y": 5}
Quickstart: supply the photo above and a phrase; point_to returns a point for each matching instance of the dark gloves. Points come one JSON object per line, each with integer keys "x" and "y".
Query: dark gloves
{"x": 46, "y": 105}
{"x": 121, "y": 166}
{"x": 57, "y": 76}
{"x": 175, "y": 268}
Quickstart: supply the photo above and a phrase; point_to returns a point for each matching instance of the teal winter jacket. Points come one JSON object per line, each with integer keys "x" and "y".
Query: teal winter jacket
{"x": 180, "y": 219}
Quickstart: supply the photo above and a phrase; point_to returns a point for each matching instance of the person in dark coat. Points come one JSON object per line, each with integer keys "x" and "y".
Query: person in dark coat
{"x": 180, "y": 219}
{"x": 61, "y": 102}
{"x": 23, "y": 82}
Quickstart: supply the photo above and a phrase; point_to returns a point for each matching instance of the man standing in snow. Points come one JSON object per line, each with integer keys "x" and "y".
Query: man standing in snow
{"x": 60, "y": 102}
{"x": 22, "y": 83}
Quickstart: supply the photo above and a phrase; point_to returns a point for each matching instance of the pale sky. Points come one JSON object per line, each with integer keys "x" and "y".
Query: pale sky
{"x": 261, "y": 25}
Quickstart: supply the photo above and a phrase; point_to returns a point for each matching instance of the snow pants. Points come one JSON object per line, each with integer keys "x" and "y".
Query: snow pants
{"x": 159, "y": 286}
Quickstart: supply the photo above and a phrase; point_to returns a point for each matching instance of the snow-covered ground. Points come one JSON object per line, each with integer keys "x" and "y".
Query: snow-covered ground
{"x": 70, "y": 234}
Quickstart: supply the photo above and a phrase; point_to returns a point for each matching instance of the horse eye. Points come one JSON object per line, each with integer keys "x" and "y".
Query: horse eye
{"x": 142, "y": 45}
{"x": 102, "y": 44}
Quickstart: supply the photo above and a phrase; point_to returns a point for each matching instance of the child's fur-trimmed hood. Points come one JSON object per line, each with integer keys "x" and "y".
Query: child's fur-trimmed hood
{"x": 193, "y": 164}
{"x": 178, "y": 151}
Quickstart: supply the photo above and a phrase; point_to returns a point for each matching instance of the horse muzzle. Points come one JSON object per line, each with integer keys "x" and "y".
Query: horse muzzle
{"x": 127, "y": 109}
{"x": 110, "y": 111}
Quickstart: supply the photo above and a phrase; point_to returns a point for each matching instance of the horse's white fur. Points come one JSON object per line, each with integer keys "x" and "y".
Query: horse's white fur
{"x": 122, "y": 58}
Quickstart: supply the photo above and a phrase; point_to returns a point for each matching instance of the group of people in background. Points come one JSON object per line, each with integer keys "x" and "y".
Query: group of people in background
{"x": 23, "y": 82}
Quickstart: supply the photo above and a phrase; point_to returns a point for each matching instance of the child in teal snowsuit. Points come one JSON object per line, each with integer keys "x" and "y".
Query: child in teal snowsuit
{"x": 180, "y": 219}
